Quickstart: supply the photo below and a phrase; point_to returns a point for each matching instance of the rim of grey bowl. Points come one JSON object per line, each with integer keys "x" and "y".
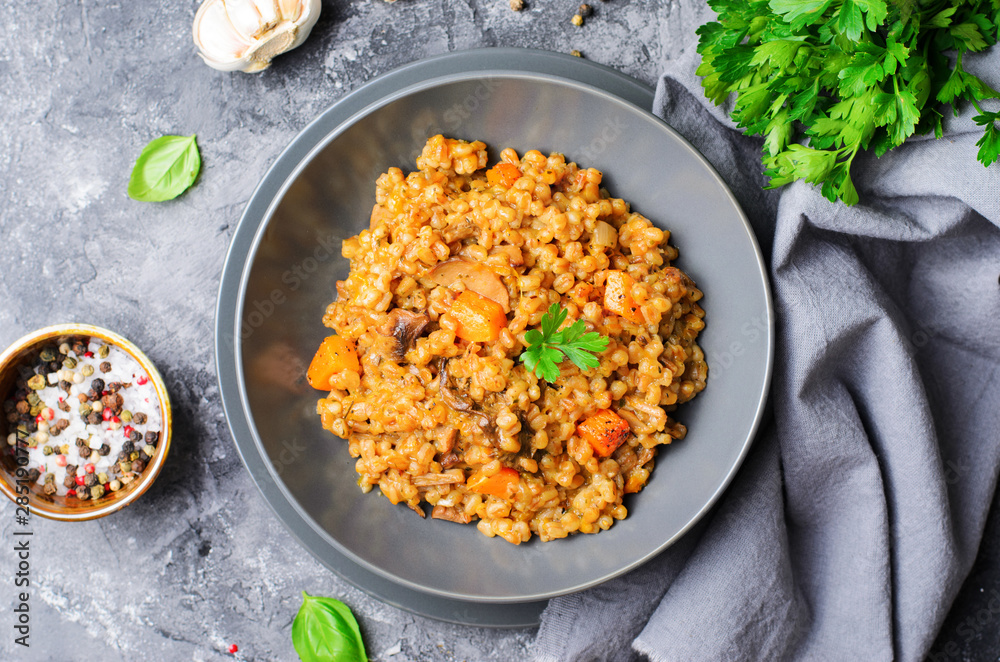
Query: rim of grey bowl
{"x": 271, "y": 190}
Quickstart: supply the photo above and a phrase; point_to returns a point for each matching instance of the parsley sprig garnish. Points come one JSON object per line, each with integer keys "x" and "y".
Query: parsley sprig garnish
{"x": 845, "y": 76}
{"x": 546, "y": 348}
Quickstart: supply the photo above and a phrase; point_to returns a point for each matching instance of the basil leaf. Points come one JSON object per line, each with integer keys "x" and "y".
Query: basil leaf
{"x": 166, "y": 168}
{"x": 325, "y": 630}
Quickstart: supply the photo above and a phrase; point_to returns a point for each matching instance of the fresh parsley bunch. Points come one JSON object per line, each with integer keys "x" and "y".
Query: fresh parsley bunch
{"x": 547, "y": 348}
{"x": 847, "y": 75}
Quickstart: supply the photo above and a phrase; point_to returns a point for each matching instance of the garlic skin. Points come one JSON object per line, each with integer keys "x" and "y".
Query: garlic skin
{"x": 243, "y": 35}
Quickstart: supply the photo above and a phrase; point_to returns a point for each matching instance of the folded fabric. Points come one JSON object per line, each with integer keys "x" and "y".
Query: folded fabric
{"x": 858, "y": 513}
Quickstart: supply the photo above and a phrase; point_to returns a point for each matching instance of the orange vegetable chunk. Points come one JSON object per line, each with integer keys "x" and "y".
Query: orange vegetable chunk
{"x": 618, "y": 296}
{"x": 334, "y": 355}
{"x": 605, "y": 430}
{"x": 504, "y": 174}
{"x": 502, "y": 484}
{"x": 479, "y": 319}
{"x": 475, "y": 276}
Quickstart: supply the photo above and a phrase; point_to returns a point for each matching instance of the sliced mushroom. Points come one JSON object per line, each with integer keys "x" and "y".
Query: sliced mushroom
{"x": 463, "y": 404}
{"x": 452, "y": 514}
{"x": 475, "y": 276}
{"x": 432, "y": 480}
{"x": 633, "y": 458}
{"x": 463, "y": 229}
{"x": 448, "y": 460}
{"x": 402, "y": 328}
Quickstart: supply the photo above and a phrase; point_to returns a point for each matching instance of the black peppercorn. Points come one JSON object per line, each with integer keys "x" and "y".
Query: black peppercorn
{"x": 127, "y": 448}
{"x": 90, "y": 480}
{"x": 105, "y": 366}
{"x": 94, "y": 418}
{"x": 139, "y": 418}
{"x": 104, "y": 449}
{"x": 69, "y": 482}
{"x": 33, "y": 475}
{"x": 152, "y": 438}
{"x": 82, "y": 494}
{"x": 138, "y": 465}
{"x": 71, "y": 470}
{"x": 135, "y": 436}
{"x": 97, "y": 385}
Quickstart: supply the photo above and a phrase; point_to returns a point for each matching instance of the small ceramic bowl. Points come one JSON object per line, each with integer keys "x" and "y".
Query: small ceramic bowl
{"x": 67, "y": 508}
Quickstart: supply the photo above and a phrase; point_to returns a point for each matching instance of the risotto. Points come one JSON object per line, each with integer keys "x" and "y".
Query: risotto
{"x": 428, "y": 375}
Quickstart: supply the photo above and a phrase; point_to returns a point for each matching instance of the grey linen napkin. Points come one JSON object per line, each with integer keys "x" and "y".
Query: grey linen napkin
{"x": 854, "y": 520}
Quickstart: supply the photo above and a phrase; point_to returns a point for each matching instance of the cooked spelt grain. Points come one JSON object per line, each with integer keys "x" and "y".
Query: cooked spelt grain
{"x": 421, "y": 425}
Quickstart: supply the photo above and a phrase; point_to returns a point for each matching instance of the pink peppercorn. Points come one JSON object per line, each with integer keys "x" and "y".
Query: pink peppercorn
{"x": 128, "y": 430}
{"x": 70, "y": 492}
{"x": 61, "y": 460}
{"x": 141, "y": 381}
{"x": 48, "y": 413}
{"x": 89, "y": 468}
{"x": 233, "y": 649}
{"x": 79, "y": 480}
{"x": 106, "y": 414}
{"x": 89, "y": 355}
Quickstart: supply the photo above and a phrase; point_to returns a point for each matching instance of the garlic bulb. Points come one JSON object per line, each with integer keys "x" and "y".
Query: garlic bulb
{"x": 245, "y": 34}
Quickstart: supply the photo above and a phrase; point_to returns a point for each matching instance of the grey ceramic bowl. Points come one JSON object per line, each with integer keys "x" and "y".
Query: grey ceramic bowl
{"x": 282, "y": 271}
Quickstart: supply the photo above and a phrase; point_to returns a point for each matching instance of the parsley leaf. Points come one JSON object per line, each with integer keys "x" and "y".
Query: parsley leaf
{"x": 548, "y": 347}
{"x": 822, "y": 80}
{"x": 989, "y": 144}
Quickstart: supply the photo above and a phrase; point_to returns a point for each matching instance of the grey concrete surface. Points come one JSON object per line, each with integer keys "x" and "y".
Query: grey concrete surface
{"x": 199, "y": 562}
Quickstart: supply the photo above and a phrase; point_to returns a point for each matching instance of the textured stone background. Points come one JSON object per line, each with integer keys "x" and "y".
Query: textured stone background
{"x": 200, "y": 562}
